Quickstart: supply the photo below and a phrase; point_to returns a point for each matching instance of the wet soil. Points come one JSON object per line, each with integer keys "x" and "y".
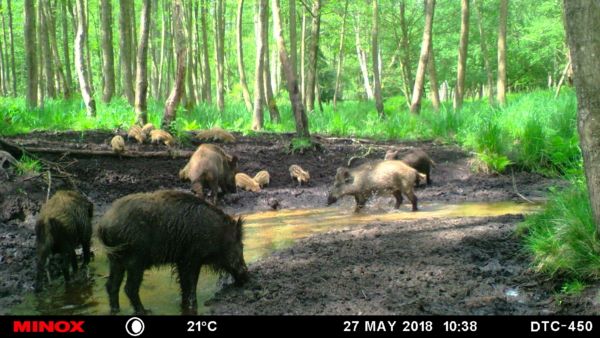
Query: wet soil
{"x": 441, "y": 266}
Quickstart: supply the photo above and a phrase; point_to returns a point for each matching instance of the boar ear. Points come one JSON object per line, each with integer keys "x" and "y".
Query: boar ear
{"x": 233, "y": 161}
{"x": 344, "y": 173}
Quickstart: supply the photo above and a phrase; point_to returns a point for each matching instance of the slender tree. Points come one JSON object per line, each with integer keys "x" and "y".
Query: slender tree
{"x": 375, "y": 56}
{"x": 405, "y": 63}
{"x": 80, "y": 37}
{"x": 46, "y": 52}
{"x": 205, "y": 65}
{"x": 290, "y": 76}
{"x": 240, "y": 56}
{"x": 179, "y": 84}
{"x": 108, "y": 68}
{"x": 433, "y": 87}
{"x": 268, "y": 92}
{"x": 220, "y": 51}
{"x": 125, "y": 43}
{"x": 462, "y": 54}
{"x": 362, "y": 60}
{"x": 31, "y": 54}
{"x": 66, "y": 49}
{"x": 12, "y": 48}
{"x": 303, "y": 55}
{"x": 484, "y": 53}
{"x": 340, "y": 60}
{"x": 312, "y": 58}
{"x": 293, "y": 42}
{"x": 141, "y": 74}
{"x": 60, "y": 74}
{"x": 415, "y": 106}
{"x": 501, "y": 85}
{"x": 582, "y": 26}
{"x": 257, "y": 117}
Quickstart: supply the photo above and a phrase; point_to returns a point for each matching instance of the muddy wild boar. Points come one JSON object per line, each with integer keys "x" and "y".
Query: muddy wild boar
{"x": 417, "y": 159}
{"x": 375, "y": 177}
{"x": 64, "y": 223}
{"x": 299, "y": 174}
{"x": 158, "y": 135}
{"x": 136, "y": 133}
{"x": 147, "y": 128}
{"x": 144, "y": 230}
{"x": 246, "y": 182}
{"x": 215, "y": 134}
{"x": 262, "y": 178}
{"x": 211, "y": 167}
{"x": 118, "y": 144}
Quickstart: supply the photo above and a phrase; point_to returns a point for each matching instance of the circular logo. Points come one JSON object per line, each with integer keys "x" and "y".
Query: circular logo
{"x": 134, "y": 326}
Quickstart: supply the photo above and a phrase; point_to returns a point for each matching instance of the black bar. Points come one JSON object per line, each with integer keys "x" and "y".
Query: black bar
{"x": 336, "y": 326}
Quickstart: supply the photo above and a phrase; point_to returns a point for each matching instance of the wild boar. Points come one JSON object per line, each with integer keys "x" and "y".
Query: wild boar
{"x": 136, "y": 133}
{"x": 158, "y": 135}
{"x": 64, "y": 223}
{"x": 118, "y": 144}
{"x": 246, "y": 182}
{"x": 168, "y": 227}
{"x": 375, "y": 177}
{"x": 299, "y": 174}
{"x": 417, "y": 159}
{"x": 215, "y": 134}
{"x": 147, "y": 128}
{"x": 262, "y": 178}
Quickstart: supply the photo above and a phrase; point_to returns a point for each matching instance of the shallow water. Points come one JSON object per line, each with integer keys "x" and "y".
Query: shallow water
{"x": 265, "y": 232}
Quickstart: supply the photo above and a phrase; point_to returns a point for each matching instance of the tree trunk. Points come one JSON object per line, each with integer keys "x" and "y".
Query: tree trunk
{"x": 312, "y": 58}
{"x": 257, "y": 117}
{"x": 362, "y": 60}
{"x": 405, "y": 63}
{"x": 46, "y": 52}
{"x": 340, "y": 60}
{"x": 240, "y": 56}
{"x": 5, "y": 50}
{"x": 501, "y": 90}
{"x": 66, "y": 49}
{"x": 462, "y": 54}
{"x": 54, "y": 48}
{"x": 293, "y": 42}
{"x": 163, "y": 50}
{"x": 375, "y": 56}
{"x": 141, "y": 74}
{"x": 582, "y": 25}
{"x": 415, "y": 105}
{"x": 206, "y": 66}
{"x": 30, "y": 54}
{"x": 190, "y": 98}
{"x": 108, "y": 67}
{"x": 219, "y": 51}
{"x": 484, "y": 53}
{"x": 125, "y": 43}
{"x": 290, "y": 76}
{"x": 12, "y": 48}
{"x": 179, "y": 84}
{"x": 269, "y": 98}
{"x": 88, "y": 54}
{"x": 80, "y": 36}
{"x": 433, "y": 87}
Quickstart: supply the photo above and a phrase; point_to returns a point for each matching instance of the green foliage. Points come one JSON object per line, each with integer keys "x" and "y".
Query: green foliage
{"x": 27, "y": 165}
{"x": 300, "y": 144}
{"x": 563, "y": 237}
{"x": 573, "y": 287}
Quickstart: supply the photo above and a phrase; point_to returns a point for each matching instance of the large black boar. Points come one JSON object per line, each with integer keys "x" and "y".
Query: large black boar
{"x": 65, "y": 222}
{"x": 377, "y": 176}
{"x": 168, "y": 227}
{"x": 211, "y": 166}
{"x": 417, "y": 159}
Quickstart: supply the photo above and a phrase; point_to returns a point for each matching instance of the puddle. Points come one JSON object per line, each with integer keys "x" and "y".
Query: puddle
{"x": 265, "y": 232}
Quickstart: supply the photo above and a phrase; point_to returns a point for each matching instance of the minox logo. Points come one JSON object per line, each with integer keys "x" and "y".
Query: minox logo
{"x": 60, "y": 326}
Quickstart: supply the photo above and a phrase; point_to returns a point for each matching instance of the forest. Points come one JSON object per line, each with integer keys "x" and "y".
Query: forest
{"x": 494, "y": 99}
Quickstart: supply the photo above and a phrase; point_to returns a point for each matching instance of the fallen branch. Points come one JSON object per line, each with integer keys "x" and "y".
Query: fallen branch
{"x": 516, "y": 191}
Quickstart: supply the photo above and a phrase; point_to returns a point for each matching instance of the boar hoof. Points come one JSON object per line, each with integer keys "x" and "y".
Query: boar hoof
{"x": 114, "y": 310}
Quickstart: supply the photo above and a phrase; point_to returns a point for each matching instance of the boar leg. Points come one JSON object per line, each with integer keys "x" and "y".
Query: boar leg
{"x": 135, "y": 274}
{"x": 188, "y": 279}
{"x": 398, "y": 195}
{"x": 85, "y": 246}
{"x": 413, "y": 199}
{"x": 214, "y": 187}
{"x": 115, "y": 277}
{"x": 428, "y": 179}
{"x": 360, "y": 202}
{"x": 41, "y": 269}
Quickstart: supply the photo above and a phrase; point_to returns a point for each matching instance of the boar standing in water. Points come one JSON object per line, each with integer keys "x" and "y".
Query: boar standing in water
{"x": 262, "y": 178}
{"x": 375, "y": 177}
{"x": 417, "y": 159}
{"x": 211, "y": 167}
{"x": 246, "y": 182}
{"x": 168, "y": 227}
{"x": 64, "y": 223}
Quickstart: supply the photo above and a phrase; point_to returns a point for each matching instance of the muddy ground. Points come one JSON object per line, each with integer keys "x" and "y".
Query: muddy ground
{"x": 450, "y": 266}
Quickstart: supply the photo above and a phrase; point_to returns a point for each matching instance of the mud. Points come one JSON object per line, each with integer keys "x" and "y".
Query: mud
{"x": 449, "y": 266}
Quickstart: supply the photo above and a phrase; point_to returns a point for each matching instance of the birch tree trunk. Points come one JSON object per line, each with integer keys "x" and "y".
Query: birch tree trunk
{"x": 362, "y": 61}
{"x": 80, "y": 37}
{"x": 415, "y": 105}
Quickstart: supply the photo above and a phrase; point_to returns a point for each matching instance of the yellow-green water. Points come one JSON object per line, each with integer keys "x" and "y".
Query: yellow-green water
{"x": 265, "y": 232}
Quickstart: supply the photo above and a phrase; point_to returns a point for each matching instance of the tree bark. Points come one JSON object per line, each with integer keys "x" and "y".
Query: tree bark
{"x": 80, "y": 36}
{"x": 462, "y": 54}
{"x": 12, "y": 48}
{"x": 290, "y": 76}
{"x": 269, "y": 97}
{"x": 582, "y": 25}
{"x": 312, "y": 58}
{"x": 433, "y": 87}
{"x": 219, "y": 51}
{"x": 5, "y": 51}
{"x": 125, "y": 43}
{"x": 415, "y": 105}
{"x": 257, "y": 117}
{"x": 31, "y": 54}
{"x": 484, "y": 53}
{"x": 405, "y": 63}
{"x": 501, "y": 85}
{"x": 141, "y": 74}
{"x": 293, "y": 42}
{"x": 54, "y": 48}
{"x": 362, "y": 61}
{"x": 46, "y": 52}
{"x": 88, "y": 53}
{"x": 240, "y": 56}
{"x": 375, "y": 56}
{"x": 179, "y": 84}
{"x": 66, "y": 49}
{"x": 303, "y": 56}
{"x": 340, "y": 60}
{"x": 108, "y": 63}
{"x": 206, "y": 66}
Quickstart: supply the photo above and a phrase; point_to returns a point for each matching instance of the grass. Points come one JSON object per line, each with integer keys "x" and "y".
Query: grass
{"x": 27, "y": 165}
